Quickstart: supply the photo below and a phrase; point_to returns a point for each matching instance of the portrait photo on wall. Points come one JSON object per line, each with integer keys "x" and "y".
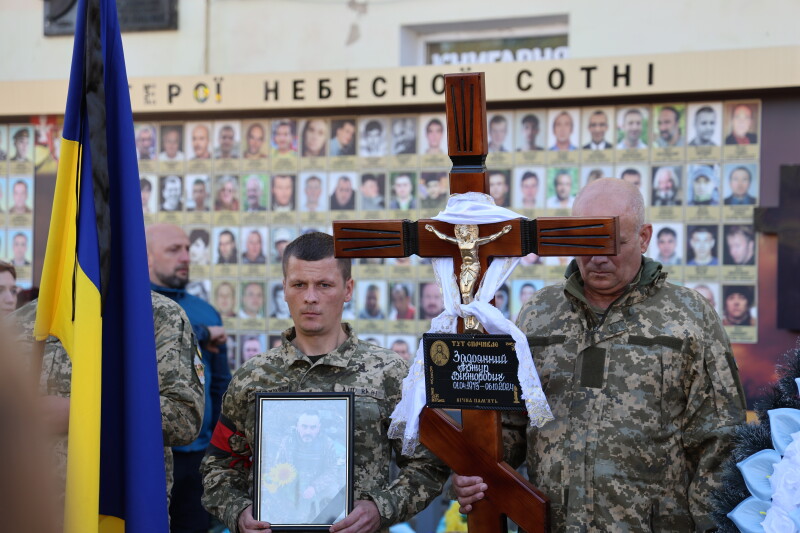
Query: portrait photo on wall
{"x": 523, "y": 290}
{"x": 197, "y": 140}
{"x": 226, "y": 193}
{"x": 667, "y": 189}
{"x": 254, "y": 197}
{"x": 590, "y": 173}
{"x": 597, "y": 128}
{"x": 636, "y": 175}
{"x": 21, "y": 143}
{"x": 563, "y": 130}
{"x": 404, "y": 135}
{"x": 500, "y": 186}
{"x": 528, "y": 187}
{"x": 669, "y": 128}
{"x": 3, "y": 195}
{"x": 742, "y": 122}
{"x": 225, "y": 245}
{"x": 225, "y": 297}
{"x": 500, "y": 131}
{"x": 282, "y": 193}
{"x": 739, "y": 305}
{"x": 739, "y": 245}
{"x": 303, "y": 458}
{"x": 372, "y": 191}
{"x": 200, "y": 288}
{"x": 705, "y": 124}
{"x": 171, "y": 143}
{"x": 198, "y": 192}
{"x": 531, "y": 135}
{"x": 147, "y": 184}
{"x": 342, "y": 191}
{"x": 145, "y": 137}
{"x": 227, "y": 139}
{"x": 281, "y": 237}
{"x": 373, "y": 299}
{"x": 314, "y": 137}
{"x": 666, "y": 244}
{"x": 703, "y": 188}
{"x": 311, "y": 198}
{"x": 741, "y": 184}
{"x": 433, "y": 133}
{"x": 403, "y": 345}
{"x": 255, "y": 143}
{"x": 171, "y": 191}
{"x": 278, "y": 308}
{"x": 254, "y": 240}
{"x": 562, "y": 186}
{"x": 402, "y": 298}
{"x": 701, "y": 246}
{"x": 4, "y": 142}
{"x": 431, "y": 300}
{"x": 710, "y": 291}
{"x": 20, "y": 195}
{"x": 433, "y": 187}
{"x": 373, "y": 132}
{"x": 199, "y": 245}
{"x": 633, "y": 125}
{"x": 343, "y": 137}
{"x": 20, "y": 246}
{"x": 284, "y": 138}
{"x": 253, "y": 343}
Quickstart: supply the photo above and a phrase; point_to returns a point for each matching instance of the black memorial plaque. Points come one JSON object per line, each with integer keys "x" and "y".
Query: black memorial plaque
{"x": 465, "y": 371}
{"x": 134, "y": 15}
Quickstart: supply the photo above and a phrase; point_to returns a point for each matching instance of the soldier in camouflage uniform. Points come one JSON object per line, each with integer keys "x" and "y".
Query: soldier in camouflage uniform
{"x": 320, "y": 354}
{"x": 179, "y": 379}
{"x": 641, "y": 380}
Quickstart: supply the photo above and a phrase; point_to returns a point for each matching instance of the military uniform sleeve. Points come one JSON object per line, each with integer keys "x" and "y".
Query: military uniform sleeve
{"x": 226, "y": 468}
{"x": 715, "y": 405}
{"x": 421, "y": 475}
{"x": 179, "y": 375}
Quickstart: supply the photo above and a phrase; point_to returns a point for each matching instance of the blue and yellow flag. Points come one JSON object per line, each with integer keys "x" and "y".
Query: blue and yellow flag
{"x": 95, "y": 296}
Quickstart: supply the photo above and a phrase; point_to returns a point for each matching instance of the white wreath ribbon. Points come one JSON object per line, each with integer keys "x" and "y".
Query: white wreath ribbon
{"x": 469, "y": 208}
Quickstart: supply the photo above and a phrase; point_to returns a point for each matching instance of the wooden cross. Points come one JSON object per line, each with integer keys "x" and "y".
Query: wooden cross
{"x": 784, "y": 221}
{"x": 475, "y": 447}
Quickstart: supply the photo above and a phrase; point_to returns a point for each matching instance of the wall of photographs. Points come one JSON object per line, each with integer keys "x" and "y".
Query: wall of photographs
{"x": 244, "y": 189}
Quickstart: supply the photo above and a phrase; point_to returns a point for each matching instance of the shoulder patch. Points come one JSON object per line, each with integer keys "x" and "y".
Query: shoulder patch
{"x": 199, "y": 367}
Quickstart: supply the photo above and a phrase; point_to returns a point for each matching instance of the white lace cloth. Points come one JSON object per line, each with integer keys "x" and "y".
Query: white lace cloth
{"x": 469, "y": 208}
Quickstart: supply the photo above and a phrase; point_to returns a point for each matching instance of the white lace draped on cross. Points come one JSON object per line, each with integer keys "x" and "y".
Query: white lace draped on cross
{"x": 469, "y": 208}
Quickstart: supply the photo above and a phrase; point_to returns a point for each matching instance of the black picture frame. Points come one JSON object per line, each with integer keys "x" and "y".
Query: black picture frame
{"x": 283, "y": 423}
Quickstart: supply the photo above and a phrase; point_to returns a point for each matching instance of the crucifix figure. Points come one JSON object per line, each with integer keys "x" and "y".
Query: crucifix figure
{"x": 475, "y": 446}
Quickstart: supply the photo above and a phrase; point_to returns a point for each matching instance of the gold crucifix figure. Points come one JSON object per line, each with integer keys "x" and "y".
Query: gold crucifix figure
{"x": 468, "y": 243}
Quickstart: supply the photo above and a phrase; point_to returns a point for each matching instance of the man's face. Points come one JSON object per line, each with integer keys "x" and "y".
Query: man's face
{"x": 702, "y": 243}
{"x": 742, "y": 120}
{"x": 401, "y": 349}
{"x": 563, "y": 186}
{"x": 225, "y": 245}
{"x": 146, "y": 192}
{"x": 255, "y": 139}
{"x": 250, "y": 349}
{"x": 308, "y": 427}
{"x": 168, "y": 258}
{"x": 372, "y": 140}
{"x": 315, "y": 136}
{"x": 598, "y": 126}
{"x": 665, "y": 187}
{"x": 703, "y": 188}
{"x": 344, "y": 134}
{"x": 254, "y": 247}
{"x": 634, "y": 178}
{"x": 171, "y": 143}
{"x": 705, "y": 123}
{"x": 501, "y": 300}
{"x": 199, "y": 195}
{"x": 253, "y": 192}
{"x": 740, "y": 182}
{"x": 343, "y": 191}
{"x": 282, "y": 189}
{"x": 530, "y": 130}
{"x": 372, "y": 302}
{"x": 224, "y": 300}
{"x": 666, "y": 245}
{"x": 20, "y": 194}
{"x": 434, "y": 188}
{"x": 632, "y": 126}
{"x": 280, "y": 246}
{"x": 144, "y": 142}
{"x": 227, "y": 193}
{"x": 399, "y": 299}
{"x": 226, "y": 141}
{"x": 740, "y": 247}
{"x": 313, "y": 190}
{"x": 735, "y": 306}
{"x": 498, "y": 188}
{"x": 432, "y": 300}
{"x": 253, "y": 299}
{"x": 20, "y": 247}
{"x": 172, "y": 193}
{"x": 316, "y": 293}
{"x": 200, "y": 141}
{"x": 562, "y": 128}
{"x": 526, "y": 293}
{"x": 434, "y": 135}
{"x": 498, "y": 132}
{"x": 402, "y": 187}
{"x": 21, "y": 144}
{"x": 369, "y": 189}
{"x": 283, "y": 138}
{"x": 668, "y": 126}
{"x": 530, "y": 190}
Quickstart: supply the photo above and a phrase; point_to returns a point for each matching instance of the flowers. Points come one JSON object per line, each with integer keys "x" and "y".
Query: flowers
{"x": 278, "y": 476}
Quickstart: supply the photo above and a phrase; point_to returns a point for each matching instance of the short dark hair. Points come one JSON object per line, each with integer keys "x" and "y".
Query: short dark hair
{"x": 740, "y": 229}
{"x": 744, "y": 290}
{"x": 528, "y": 174}
{"x": 23, "y": 132}
{"x": 674, "y": 111}
{"x": 743, "y": 168}
{"x": 532, "y": 119}
{"x": 666, "y": 231}
{"x": 314, "y": 246}
{"x": 432, "y": 122}
{"x": 8, "y": 267}
{"x": 704, "y": 109}
{"x": 630, "y": 171}
{"x": 145, "y": 185}
{"x": 199, "y": 233}
{"x": 497, "y": 119}
{"x": 373, "y": 125}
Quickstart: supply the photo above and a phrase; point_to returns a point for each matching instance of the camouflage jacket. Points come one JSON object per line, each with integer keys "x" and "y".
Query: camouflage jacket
{"x": 182, "y": 396}
{"x": 375, "y": 375}
{"x": 645, "y": 398}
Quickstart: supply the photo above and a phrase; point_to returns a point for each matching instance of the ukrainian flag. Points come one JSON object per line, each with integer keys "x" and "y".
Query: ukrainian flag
{"x": 95, "y": 296}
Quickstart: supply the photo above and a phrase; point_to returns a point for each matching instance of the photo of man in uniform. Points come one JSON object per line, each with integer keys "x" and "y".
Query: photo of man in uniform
{"x": 435, "y": 193}
{"x": 20, "y": 255}
{"x": 631, "y": 128}
{"x": 704, "y": 186}
{"x": 22, "y": 147}
{"x": 598, "y": 127}
{"x": 740, "y": 180}
{"x": 20, "y": 198}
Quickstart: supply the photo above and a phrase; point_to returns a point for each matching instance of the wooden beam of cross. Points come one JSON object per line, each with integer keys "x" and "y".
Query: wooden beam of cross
{"x": 475, "y": 447}
{"x": 784, "y": 222}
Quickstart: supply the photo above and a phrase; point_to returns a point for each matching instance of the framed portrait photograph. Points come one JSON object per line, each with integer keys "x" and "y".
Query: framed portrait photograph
{"x": 303, "y": 459}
